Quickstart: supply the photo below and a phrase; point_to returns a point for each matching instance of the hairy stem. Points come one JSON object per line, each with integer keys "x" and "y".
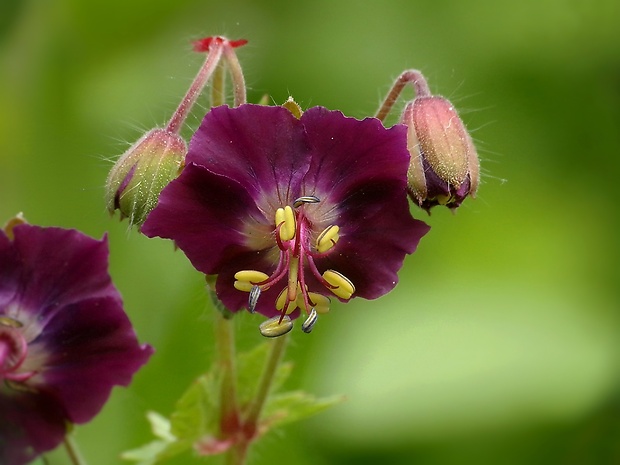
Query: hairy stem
{"x": 178, "y": 118}
{"x": 264, "y": 386}
{"x": 238, "y": 453}
{"x": 218, "y": 86}
{"x": 411, "y": 76}
{"x": 236, "y": 74}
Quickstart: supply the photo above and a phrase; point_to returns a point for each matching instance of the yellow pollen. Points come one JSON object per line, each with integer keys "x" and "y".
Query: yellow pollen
{"x": 328, "y": 238}
{"x": 321, "y": 303}
{"x": 10, "y": 322}
{"x": 285, "y": 218}
{"x": 246, "y": 279}
{"x": 343, "y": 288}
{"x": 243, "y": 286}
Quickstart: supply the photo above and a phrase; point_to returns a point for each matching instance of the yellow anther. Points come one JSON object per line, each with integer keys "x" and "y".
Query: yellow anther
{"x": 282, "y": 300}
{"x": 290, "y": 224}
{"x": 280, "y": 217}
{"x": 243, "y": 286}
{"x": 343, "y": 288}
{"x": 321, "y": 303}
{"x": 10, "y": 322}
{"x": 246, "y": 279}
{"x": 274, "y": 327}
{"x": 251, "y": 276}
{"x": 285, "y": 218}
{"x": 328, "y": 238}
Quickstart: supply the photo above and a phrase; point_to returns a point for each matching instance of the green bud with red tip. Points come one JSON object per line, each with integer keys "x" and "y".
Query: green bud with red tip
{"x": 138, "y": 177}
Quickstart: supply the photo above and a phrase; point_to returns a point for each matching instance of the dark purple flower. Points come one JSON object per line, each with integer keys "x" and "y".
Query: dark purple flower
{"x": 291, "y": 210}
{"x": 65, "y": 340}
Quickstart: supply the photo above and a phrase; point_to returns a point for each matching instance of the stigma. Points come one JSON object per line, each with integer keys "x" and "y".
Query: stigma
{"x": 299, "y": 245}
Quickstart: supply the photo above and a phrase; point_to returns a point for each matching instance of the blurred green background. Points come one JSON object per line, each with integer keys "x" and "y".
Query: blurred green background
{"x": 501, "y": 343}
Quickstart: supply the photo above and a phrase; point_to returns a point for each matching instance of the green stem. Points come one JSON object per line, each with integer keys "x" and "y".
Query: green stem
{"x": 264, "y": 386}
{"x": 238, "y": 453}
{"x": 229, "y": 413}
{"x": 72, "y": 451}
{"x": 218, "y": 86}
{"x": 411, "y": 76}
{"x": 236, "y": 74}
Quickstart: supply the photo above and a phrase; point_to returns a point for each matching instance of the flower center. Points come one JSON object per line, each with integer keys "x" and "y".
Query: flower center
{"x": 293, "y": 234}
{"x": 13, "y": 350}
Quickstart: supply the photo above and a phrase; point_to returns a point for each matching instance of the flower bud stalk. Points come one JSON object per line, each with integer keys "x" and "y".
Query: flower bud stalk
{"x": 180, "y": 115}
{"x": 410, "y": 76}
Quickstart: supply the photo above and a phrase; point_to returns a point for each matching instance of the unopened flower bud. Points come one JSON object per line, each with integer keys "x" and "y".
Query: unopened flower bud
{"x": 444, "y": 167}
{"x": 138, "y": 177}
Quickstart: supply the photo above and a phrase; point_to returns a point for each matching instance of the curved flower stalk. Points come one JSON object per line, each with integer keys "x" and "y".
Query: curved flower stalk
{"x": 65, "y": 340}
{"x": 289, "y": 212}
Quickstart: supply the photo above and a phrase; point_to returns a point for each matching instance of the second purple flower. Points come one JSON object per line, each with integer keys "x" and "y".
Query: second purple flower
{"x": 292, "y": 211}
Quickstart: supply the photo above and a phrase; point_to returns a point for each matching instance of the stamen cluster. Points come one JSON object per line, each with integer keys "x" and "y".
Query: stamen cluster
{"x": 293, "y": 232}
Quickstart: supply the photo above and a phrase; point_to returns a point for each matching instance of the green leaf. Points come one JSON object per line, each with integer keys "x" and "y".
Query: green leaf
{"x": 249, "y": 369}
{"x": 149, "y": 453}
{"x": 293, "y": 406}
{"x": 197, "y": 411}
{"x": 196, "y": 415}
{"x": 160, "y": 426}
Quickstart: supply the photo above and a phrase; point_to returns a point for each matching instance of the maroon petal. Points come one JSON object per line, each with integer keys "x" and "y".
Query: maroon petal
{"x": 348, "y": 153}
{"x": 32, "y": 423}
{"x": 101, "y": 353}
{"x": 211, "y": 218}
{"x": 54, "y": 283}
{"x": 375, "y": 238}
{"x": 360, "y": 168}
{"x": 56, "y": 267}
{"x": 262, "y": 148}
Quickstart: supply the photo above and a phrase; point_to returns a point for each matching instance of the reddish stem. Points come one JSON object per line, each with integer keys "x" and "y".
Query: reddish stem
{"x": 178, "y": 118}
{"x": 411, "y": 76}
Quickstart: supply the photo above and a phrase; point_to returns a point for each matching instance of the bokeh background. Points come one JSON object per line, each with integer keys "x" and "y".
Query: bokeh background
{"x": 501, "y": 342}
